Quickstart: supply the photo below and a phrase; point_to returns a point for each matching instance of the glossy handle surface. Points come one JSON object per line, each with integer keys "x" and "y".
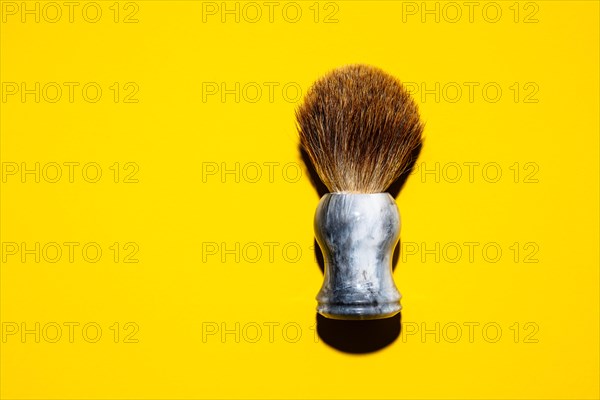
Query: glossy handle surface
{"x": 357, "y": 234}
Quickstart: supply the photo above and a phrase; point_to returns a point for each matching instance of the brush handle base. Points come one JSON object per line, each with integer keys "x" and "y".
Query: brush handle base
{"x": 357, "y": 234}
{"x": 359, "y": 312}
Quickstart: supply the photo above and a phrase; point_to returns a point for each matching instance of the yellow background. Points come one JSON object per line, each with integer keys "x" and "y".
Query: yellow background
{"x": 176, "y": 290}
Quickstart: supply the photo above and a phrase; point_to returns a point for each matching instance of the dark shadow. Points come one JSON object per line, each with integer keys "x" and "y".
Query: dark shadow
{"x": 312, "y": 174}
{"x": 319, "y": 256}
{"x": 398, "y": 184}
{"x": 359, "y": 337}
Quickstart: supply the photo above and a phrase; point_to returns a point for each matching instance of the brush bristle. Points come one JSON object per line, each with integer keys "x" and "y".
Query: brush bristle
{"x": 360, "y": 128}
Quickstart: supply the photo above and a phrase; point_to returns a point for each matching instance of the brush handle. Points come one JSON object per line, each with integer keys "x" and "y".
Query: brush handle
{"x": 357, "y": 234}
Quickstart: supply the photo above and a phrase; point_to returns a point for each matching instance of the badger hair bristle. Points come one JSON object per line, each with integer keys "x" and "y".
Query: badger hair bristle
{"x": 360, "y": 128}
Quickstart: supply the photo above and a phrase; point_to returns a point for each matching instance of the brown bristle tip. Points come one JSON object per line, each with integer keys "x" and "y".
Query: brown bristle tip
{"x": 360, "y": 128}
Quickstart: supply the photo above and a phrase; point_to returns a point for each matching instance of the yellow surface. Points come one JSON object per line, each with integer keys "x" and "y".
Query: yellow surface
{"x": 232, "y": 253}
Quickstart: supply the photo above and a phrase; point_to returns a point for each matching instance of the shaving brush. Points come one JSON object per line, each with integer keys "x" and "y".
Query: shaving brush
{"x": 360, "y": 129}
